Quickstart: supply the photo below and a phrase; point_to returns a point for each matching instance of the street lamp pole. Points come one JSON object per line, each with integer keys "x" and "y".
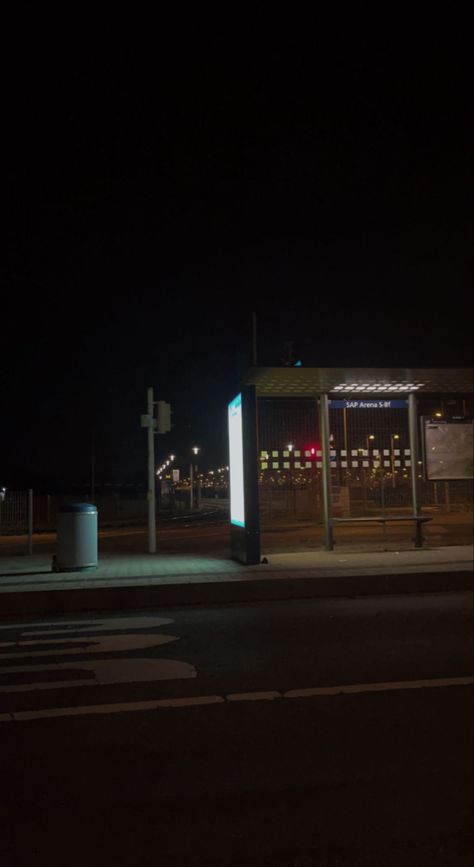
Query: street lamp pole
{"x": 195, "y": 451}
{"x": 393, "y": 437}
{"x": 151, "y": 476}
{"x": 290, "y": 447}
{"x": 92, "y": 466}
{"x": 326, "y": 470}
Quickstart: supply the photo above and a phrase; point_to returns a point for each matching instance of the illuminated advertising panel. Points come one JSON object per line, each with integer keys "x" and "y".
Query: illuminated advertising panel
{"x": 236, "y": 463}
{"x": 448, "y": 450}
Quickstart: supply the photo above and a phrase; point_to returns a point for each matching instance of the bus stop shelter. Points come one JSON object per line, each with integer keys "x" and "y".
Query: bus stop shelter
{"x": 347, "y": 447}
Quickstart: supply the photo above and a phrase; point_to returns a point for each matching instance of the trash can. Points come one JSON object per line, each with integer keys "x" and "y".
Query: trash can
{"x": 77, "y": 538}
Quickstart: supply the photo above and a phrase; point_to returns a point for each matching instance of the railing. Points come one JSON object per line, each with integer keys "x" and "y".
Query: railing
{"x": 16, "y": 514}
{"x": 13, "y": 511}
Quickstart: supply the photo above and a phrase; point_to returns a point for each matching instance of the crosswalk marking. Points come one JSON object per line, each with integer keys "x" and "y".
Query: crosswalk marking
{"x": 103, "y": 671}
{"x": 111, "y": 624}
{"x": 94, "y": 644}
{"x": 83, "y": 639}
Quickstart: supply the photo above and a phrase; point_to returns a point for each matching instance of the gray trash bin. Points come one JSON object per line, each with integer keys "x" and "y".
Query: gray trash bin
{"x": 77, "y": 538}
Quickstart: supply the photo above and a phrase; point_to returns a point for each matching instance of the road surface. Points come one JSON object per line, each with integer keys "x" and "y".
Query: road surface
{"x": 286, "y": 733}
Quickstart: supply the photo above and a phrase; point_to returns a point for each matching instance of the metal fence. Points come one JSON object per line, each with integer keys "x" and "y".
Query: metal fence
{"x": 13, "y": 511}
{"x": 111, "y": 508}
{"x": 370, "y": 466}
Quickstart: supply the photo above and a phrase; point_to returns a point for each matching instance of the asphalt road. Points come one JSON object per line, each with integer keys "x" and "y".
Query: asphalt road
{"x": 288, "y": 733}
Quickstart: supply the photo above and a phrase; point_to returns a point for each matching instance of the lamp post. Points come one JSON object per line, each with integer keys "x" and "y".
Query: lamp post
{"x": 370, "y": 438}
{"x": 195, "y": 450}
{"x": 290, "y": 447}
{"x": 393, "y": 437}
{"x": 171, "y": 486}
{"x": 151, "y": 495}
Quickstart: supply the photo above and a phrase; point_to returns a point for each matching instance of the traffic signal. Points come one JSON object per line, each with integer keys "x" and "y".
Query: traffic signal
{"x": 290, "y": 359}
{"x": 163, "y": 417}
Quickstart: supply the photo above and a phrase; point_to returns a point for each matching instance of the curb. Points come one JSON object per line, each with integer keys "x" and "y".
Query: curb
{"x": 51, "y": 603}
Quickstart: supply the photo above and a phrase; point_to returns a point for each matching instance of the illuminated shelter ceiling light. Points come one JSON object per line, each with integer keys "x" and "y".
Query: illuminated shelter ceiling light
{"x": 378, "y": 387}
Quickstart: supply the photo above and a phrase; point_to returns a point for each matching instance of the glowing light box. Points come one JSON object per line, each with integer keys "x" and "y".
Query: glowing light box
{"x": 236, "y": 462}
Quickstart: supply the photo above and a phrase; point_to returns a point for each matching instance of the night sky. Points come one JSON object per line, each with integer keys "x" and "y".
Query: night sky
{"x": 166, "y": 176}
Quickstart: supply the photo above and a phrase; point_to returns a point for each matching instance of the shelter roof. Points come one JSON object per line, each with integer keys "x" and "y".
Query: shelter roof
{"x": 311, "y": 381}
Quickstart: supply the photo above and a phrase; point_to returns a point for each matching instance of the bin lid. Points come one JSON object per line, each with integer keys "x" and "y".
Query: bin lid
{"x": 78, "y": 507}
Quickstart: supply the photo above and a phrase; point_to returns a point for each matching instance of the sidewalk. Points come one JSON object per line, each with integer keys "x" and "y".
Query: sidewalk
{"x": 121, "y": 582}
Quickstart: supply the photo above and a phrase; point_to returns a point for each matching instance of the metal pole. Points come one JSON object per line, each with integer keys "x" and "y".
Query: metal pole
{"x": 343, "y": 472}
{"x": 447, "y": 499}
{"x": 254, "y": 339}
{"x": 326, "y": 470}
{"x": 413, "y": 438}
{"x": 92, "y": 467}
{"x": 30, "y": 521}
{"x": 392, "y": 459}
{"x": 198, "y": 488}
{"x": 151, "y": 475}
{"x": 191, "y": 482}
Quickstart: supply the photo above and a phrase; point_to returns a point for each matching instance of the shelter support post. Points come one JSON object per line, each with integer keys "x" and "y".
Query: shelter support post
{"x": 326, "y": 470}
{"x": 30, "y": 521}
{"x": 413, "y": 439}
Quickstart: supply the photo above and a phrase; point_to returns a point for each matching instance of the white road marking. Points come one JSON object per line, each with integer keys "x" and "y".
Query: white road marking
{"x": 109, "y": 625}
{"x": 76, "y": 640}
{"x": 191, "y": 701}
{"x": 104, "y": 671}
{"x": 100, "y": 644}
{"x": 354, "y": 688}
{"x": 253, "y": 696}
{"x": 199, "y": 701}
{"x": 88, "y": 710}
{"x": 56, "y": 684}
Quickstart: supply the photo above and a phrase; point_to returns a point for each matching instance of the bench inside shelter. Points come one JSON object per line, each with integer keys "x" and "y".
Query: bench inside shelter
{"x": 418, "y": 520}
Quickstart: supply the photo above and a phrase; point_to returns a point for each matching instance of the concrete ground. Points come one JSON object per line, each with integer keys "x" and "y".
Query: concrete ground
{"x": 204, "y": 573}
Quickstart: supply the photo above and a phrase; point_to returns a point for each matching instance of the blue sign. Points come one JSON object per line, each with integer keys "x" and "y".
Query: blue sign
{"x": 378, "y": 403}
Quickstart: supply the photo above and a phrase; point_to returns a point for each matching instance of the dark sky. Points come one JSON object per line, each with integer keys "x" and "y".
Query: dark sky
{"x": 165, "y": 176}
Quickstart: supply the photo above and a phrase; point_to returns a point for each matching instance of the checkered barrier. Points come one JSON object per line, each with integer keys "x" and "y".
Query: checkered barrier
{"x": 307, "y": 459}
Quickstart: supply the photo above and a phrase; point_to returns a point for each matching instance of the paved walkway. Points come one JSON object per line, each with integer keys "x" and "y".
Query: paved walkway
{"x": 33, "y": 574}
{"x": 28, "y": 586}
